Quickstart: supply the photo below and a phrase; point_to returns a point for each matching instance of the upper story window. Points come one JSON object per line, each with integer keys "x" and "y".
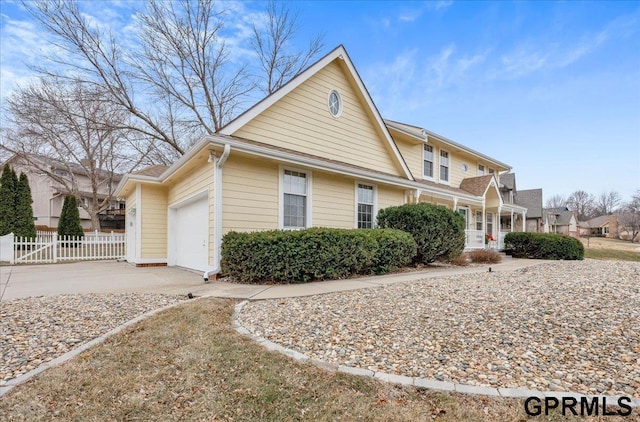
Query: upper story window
{"x": 365, "y": 206}
{"x": 444, "y": 166}
{"x": 491, "y": 171}
{"x": 335, "y": 103}
{"x": 294, "y": 201}
{"x": 427, "y": 157}
{"x": 59, "y": 172}
{"x": 480, "y": 170}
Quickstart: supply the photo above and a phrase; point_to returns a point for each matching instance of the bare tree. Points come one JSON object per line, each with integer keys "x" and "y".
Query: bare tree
{"x": 272, "y": 44}
{"x": 629, "y": 217}
{"x": 607, "y": 203}
{"x": 176, "y": 79}
{"x": 556, "y": 201}
{"x": 582, "y": 203}
{"x": 69, "y": 133}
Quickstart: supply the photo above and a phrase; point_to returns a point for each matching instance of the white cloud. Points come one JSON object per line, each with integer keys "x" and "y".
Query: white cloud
{"x": 530, "y": 56}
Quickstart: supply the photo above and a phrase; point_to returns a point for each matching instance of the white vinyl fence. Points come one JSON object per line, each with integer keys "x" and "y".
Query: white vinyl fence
{"x": 51, "y": 248}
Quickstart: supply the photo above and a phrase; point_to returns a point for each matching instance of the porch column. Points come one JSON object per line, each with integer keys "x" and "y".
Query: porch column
{"x": 484, "y": 218}
{"x": 499, "y": 211}
{"x": 524, "y": 221}
{"x": 455, "y": 203}
{"x": 511, "y": 226}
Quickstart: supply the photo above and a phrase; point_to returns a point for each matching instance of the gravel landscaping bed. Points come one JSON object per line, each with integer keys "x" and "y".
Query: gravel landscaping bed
{"x": 38, "y": 329}
{"x": 564, "y": 326}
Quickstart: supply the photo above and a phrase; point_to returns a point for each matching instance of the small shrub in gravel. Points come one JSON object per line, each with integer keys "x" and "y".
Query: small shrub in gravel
{"x": 313, "y": 254}
{"x": 461, "y": 261}
{"x": 482, "y": 256}
{"x": 437, "y": 230}
{"x": 543, "y": 246}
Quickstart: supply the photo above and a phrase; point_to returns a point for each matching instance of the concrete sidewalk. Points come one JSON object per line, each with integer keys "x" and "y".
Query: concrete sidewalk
{"x": 121, "y": 277}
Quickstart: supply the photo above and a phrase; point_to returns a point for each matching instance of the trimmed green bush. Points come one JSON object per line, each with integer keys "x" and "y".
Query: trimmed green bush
{"x": 437, "y": 230}
{"x": 8, "y": 191}
{"x": 313, "y": 254}
{"x": 396, "y": 249}
{"x": 543, "y": 246}
{"x": 69, "y": 223}
{"x": 24, "y": 224}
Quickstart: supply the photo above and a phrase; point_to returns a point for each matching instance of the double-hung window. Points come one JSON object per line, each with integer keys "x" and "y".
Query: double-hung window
{"x": 490, "y": 223}
{"x": 294, "y": 186}
{"x": 478, "y": 220}
{"x": 480, "y": 170}
{"x": 444, "y": 166}
{"x": 428, "y": 162}
{"x": 365, "y": 198}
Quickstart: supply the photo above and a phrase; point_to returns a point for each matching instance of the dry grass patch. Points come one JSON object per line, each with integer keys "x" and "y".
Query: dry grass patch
{"x": 188, "y": 363}
{"x": 482, "y": 256}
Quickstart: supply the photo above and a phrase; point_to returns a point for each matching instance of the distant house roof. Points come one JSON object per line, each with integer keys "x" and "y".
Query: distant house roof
{"x": 531, "y": 199}
{"x": 558, "y": 216}
{"x": 61, "y": 165}
{"x": 155, "y": 170}
{"x": 597, "y": 221}
{"x": 508, "y": 180}
{"x": 476, "y": 185}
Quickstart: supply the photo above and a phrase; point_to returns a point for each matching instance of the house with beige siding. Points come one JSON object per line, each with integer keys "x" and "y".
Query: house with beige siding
{"x": 315, "y": 153}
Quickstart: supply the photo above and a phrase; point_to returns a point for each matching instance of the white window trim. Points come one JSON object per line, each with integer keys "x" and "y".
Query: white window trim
{"x": 340, "y": 100}
{"x": 309, "y": 202}
{"x": 484, "y": 169}
{"x": 433, "y": 162}
{"x": 374, "y": 215}
{"x": 444, "y": 182}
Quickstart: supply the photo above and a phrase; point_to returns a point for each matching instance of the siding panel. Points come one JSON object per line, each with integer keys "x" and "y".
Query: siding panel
{"x": 154, "y": 223}
{"x": 301, "y": 121}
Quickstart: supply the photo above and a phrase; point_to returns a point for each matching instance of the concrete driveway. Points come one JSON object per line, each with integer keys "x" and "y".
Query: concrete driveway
{"x": 21, "y": 281}
{"x": 120, "y": 277}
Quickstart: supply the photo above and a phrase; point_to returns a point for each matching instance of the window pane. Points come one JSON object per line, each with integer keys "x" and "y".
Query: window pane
{"x": 365, "y": 216}
{"x": 365, "y": 194}
{"x": 428, "y": 168}
{"x": 295, "y": 182}
{"x": 294, "y": 210}
{"x": 444, "y": 173}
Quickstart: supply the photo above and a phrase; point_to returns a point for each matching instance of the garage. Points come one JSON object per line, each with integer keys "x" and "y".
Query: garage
{"x": 191, "y": 233}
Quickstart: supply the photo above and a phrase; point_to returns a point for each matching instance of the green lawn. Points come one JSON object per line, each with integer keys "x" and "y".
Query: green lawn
{"x": 611, "y": 254}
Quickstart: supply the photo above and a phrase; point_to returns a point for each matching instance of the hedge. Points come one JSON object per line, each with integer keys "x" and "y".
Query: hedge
{"x": 301, "y": 256}
{"x": 437, "y": 230}
{"x": 543, "y": 246}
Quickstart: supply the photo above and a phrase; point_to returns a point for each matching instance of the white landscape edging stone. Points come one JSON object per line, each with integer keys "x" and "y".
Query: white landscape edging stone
{"x": 75, "y": 352}
{"x": 431, "y": 384}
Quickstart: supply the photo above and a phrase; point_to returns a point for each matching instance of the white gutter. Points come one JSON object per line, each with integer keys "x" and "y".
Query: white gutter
{"x": 217, "y": 193}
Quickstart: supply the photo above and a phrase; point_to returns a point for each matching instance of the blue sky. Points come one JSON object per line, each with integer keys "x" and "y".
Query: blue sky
{"x": 551, "y": 88}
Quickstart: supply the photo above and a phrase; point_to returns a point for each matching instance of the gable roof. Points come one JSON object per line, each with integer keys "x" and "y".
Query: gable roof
{"x": 476, "y": 185}
{"x": 339, "y": 53}
{"x": 531, "y": 199}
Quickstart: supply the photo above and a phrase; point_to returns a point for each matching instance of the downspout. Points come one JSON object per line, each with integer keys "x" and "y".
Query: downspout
{"x": 217, "y": 230}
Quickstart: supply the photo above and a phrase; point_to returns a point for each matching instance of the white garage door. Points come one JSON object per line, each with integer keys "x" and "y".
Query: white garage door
{"x": 192, "y": 229}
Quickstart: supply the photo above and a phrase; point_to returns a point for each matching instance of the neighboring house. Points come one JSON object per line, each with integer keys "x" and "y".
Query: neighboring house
{"x": 603, "y": 226}
{"x": 531, "y": 199}
{"x": 314, "y": 153}
{"x": 48, "y": 195}
{"x": 560, "y": 220}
